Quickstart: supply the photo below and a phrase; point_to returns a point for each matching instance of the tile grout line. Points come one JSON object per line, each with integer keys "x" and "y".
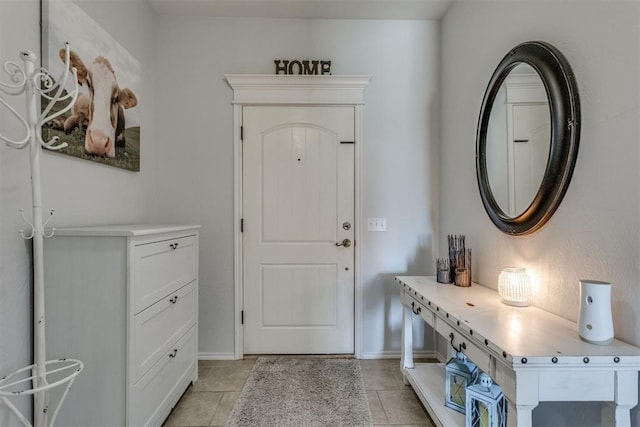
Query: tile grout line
{"x": 217, "y": 409}
{"x": 386, "y": 417}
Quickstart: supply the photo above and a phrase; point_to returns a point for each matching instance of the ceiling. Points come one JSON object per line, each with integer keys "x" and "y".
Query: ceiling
{"x": 310, "y": 9}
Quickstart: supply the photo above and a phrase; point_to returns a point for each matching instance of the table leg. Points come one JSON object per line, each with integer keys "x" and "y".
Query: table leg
{"x": 519, "y": 415}
{"x": 623, "y": 415}
{"x": 406, "y": 360}
{"x": 626, "y": 397}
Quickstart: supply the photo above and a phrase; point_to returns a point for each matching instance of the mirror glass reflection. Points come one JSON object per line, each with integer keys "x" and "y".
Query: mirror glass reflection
{"x": 518, "y": 140}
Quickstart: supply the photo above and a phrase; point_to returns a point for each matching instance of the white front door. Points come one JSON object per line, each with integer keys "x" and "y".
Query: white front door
{"x": 298, "y": 202}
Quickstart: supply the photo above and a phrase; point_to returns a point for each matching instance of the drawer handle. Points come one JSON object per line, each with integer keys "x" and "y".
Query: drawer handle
{"x": 175, "y": 351}
{"x": 174, "y": 300}
{"x": 173, "y": 246}
{"x": 462, "y": 346}
{"x": 415, "y": 310}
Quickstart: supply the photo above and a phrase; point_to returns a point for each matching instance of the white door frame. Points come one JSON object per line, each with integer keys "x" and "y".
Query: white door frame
{"x": 292, "y": 90}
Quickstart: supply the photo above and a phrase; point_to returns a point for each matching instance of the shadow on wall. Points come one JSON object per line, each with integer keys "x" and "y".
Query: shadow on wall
{"x": 420, "y": 264}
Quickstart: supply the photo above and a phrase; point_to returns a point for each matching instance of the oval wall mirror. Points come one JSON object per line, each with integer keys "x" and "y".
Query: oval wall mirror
{"x": 527, "y": 137}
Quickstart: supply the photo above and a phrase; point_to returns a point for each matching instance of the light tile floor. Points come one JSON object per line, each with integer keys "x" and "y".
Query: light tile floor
{"x": 210, "y": 400}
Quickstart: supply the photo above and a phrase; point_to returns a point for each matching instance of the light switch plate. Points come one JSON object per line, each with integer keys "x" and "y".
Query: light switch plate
{"x": 376, "y": 224}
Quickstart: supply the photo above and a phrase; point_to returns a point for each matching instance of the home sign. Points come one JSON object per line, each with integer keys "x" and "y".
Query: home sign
{"x": 295, "y": 66}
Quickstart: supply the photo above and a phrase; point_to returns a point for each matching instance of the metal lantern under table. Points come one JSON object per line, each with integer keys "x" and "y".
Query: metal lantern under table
{"x": 459, "y": 373}
{"x": 486, "y": 405}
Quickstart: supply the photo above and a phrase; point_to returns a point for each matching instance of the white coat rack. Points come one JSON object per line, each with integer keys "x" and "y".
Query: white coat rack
{"x": 44, "y": 375}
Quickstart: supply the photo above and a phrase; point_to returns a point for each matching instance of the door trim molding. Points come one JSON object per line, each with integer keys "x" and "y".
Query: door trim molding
{"x": 261, "y": 89}
{"x": 292, "y": 90}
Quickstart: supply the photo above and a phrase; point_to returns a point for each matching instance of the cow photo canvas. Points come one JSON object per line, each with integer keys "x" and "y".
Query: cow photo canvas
{"x": 104, "y": 124}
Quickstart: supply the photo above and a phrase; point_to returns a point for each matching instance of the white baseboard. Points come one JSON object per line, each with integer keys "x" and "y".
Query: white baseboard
{"x": 216, "y": 356}
{"x": 371, "y": 355}
{"x": 396, "y": 355}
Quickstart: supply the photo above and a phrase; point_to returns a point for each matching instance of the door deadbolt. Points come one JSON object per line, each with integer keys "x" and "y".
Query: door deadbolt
{"x": 346, "y": 225}
{"x": 346, "y": 243}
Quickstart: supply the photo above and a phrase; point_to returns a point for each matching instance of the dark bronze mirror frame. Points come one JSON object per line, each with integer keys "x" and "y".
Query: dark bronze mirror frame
{"x": 564, "y": 106}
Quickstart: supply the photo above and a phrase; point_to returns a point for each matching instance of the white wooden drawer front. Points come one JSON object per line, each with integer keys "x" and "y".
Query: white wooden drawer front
{"x": 158, "y": 327}
{"x": 477, "y": 355}
{"x": 418, "y": 307}
{"x": 591, "y": 385}
{"x": 152, "y": 394}
{"x": 162, "y": 267}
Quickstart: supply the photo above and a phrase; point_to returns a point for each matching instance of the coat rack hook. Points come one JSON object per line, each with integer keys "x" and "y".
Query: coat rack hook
{"x": 48, "y": 86}
{"x": 53, "y": 230}
{"x": 22, "y": 233}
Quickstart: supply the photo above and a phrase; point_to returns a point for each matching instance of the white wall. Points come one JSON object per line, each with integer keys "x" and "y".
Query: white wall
{"x": 81, "y": 192}
{"x": 595, "y": 231}
{"x": 195, "y": 139}
{"x": 186, "y": 170}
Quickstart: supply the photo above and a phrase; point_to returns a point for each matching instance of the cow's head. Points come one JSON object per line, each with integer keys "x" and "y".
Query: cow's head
{"x": 106, "y": 103}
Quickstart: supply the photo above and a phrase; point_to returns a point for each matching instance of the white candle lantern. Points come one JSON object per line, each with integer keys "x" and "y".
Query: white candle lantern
{"x": 514, "y": 287}
{"x": 459, "y": 373}
{"x": 486, "y": 405}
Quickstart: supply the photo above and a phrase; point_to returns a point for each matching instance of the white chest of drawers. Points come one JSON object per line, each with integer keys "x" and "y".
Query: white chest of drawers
{"x": 124, "y": 300}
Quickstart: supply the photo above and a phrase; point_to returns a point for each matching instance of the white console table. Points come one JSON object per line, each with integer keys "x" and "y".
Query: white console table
{"x": 533, "y": 355}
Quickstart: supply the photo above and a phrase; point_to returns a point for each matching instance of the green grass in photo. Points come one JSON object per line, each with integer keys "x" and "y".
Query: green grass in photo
{"x": 127, "y": 158}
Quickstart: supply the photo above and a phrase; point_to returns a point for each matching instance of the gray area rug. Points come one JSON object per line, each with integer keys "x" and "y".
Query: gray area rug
{"x": 294, "y": 391}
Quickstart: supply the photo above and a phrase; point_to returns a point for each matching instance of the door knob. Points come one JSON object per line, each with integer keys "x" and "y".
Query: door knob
{"x": 346, "y": 243}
